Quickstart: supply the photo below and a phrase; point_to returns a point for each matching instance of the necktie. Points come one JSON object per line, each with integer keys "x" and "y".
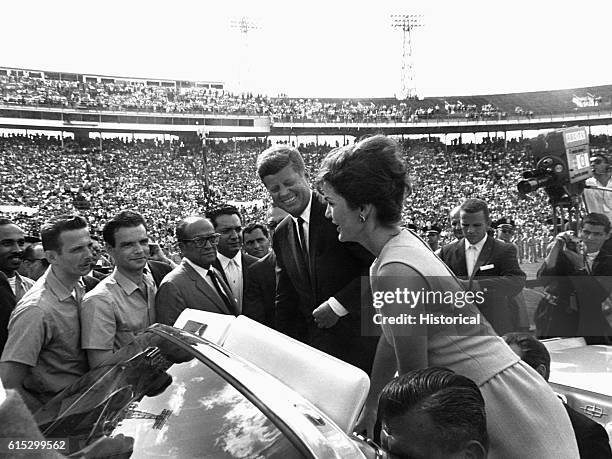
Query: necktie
{"x": 470, "y": 259}
{"x": 230, "y": 306}
{"x": 303, "y": 242}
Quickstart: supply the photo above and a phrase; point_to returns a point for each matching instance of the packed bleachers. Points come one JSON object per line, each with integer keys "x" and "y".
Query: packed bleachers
{"x": 81, "y": 92}
{"x": 164, "y": 182}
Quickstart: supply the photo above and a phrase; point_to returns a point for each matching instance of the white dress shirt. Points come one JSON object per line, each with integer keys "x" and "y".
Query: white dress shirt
{"x": 472, "y": 252}
{"x": 233, "y": 271}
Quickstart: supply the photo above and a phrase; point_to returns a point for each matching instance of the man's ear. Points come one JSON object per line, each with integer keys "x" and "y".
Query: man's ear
{"x": 474, "y": 450}
{"x": 51, "y": 256}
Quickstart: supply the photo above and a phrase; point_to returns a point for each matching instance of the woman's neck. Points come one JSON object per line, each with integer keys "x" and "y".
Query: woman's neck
{"x": 378, "y": 236}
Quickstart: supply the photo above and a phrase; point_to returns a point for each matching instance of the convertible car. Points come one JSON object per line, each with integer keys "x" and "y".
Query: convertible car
{"x": 216, "y": 387}
{"x": 582, "y": 375}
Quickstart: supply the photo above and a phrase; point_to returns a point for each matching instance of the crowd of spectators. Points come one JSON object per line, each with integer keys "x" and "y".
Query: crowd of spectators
{"x": 141, "y": 96}
{"x": 166, "y": 181}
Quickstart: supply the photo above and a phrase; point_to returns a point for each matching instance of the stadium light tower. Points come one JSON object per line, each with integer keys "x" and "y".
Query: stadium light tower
{"x": 244, "y": 25}
{"x": 407, "y": 22}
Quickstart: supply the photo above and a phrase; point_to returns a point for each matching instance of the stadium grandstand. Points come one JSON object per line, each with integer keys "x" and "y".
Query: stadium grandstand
{"x": 43, "y": 175}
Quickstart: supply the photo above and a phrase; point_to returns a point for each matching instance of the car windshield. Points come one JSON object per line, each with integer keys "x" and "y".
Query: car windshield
{"x": 162, "y": 402}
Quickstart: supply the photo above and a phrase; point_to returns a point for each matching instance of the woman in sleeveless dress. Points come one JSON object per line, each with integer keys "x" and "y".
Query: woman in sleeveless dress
{"x": 426, "y": 317}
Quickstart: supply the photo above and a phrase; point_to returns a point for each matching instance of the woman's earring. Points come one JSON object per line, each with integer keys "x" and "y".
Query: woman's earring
{"x": 362, "y": 219}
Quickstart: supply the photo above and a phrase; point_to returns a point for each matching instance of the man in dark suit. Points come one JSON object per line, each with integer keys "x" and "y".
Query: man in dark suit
{"x": 592, "y": 438}
{"x": 194, "y": 283}
{"x": 318, "y": 279}
{"x": 231, "y": 261}
{"x": 260, "y": 292}
{"x": 577, "y": 273}
{"x": 485, "y": 265}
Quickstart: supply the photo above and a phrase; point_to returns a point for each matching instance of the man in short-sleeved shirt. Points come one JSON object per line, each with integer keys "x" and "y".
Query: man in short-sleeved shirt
{"x": 116, "y": 310}
{"x": 123, "y": 304}
{"x": 43, "y": 355}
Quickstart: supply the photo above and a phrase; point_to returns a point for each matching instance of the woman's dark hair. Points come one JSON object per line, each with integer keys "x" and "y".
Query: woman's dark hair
{"x": 370, "y": 172}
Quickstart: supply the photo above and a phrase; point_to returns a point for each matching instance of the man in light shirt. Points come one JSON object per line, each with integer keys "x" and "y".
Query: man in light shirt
{"x": 122, "y": 304}
{"x": 596, "y": 200}
{"x": 43, "y": 354}
{"x": 231, "y": 262}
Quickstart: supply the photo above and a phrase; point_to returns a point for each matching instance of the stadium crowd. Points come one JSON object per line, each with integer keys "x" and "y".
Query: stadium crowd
{"x": 165, "y": 181}
{"x": 210, "y": 209}
{"x": 140, "y": 96}
{"x": 161, "y": 182}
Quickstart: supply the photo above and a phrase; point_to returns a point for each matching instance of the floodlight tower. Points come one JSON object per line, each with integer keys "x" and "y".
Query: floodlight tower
{"x": 244, "y": 26}
{"x": 407, "y": 22}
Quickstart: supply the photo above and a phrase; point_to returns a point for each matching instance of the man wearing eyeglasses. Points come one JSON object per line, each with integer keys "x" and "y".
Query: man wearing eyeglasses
{"x": 231, "y": 262}
{"x": 599, "y": 201}
{"x": 34, "y": 262}
{"x": 194, "y": 283}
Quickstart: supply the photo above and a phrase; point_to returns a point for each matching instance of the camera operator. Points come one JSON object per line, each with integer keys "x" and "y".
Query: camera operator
{"x": 579, "y": 292}
{"x": 596, "y": 200}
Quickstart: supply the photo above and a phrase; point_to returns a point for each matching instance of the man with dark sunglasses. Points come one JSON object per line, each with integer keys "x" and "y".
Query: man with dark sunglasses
{"x": 598, "y": 200}
{"x": 194, "y": 283}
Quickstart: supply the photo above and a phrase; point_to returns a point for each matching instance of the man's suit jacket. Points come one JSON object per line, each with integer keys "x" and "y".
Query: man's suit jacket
{"x": 499, "y": 275}
{"x": 334, "y": 269}
{"x": 592, "y": 438}
{"x": 158, "y": 270}
{"x": 183, "y": 288}
{"x": 260, "y": 291}
{"x": 578, "y": 295}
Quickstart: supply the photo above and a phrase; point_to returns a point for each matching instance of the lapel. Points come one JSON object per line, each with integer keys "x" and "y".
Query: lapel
{"x": 459, "y": 258}
{"x": 484, "y": 257}
{"x": 217, "y": 265}
{"x": 206, "y": 289}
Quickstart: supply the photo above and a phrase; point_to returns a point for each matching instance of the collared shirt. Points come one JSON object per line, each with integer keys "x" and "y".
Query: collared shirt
{"x": 203, "y": 272}
{"x": 234, "y": 276}
{"x": 471, "y": 255}
{"x": 599, "y": 201}
{"x": 116, "y": 310}
{"x": 44, "y": 334}
{"x": 19, "y": 284}
{"x": 306, "y": 225}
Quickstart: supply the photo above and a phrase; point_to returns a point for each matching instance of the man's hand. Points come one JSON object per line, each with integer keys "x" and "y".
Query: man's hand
{"x": 576, "y": 259}
{"x": 324, "y": 316}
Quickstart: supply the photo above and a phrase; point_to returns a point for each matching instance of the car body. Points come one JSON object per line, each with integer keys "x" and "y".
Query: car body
{"x": 176, "y": 394}
{"x": 582, "y": 375}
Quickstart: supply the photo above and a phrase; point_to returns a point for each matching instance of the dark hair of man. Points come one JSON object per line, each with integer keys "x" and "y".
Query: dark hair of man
{"x": 453, "y": 401}
{"x": 533, "y": 352}
{"x": 51, "y": 230}
{"x": 124, "y": 219}
{"x": 253, "y": 226}
{"x": 369, "y": 172}
{"x": 276, "y": 158}
{"x": 223, "y": 210}
{"x": 475, "y": 205}
{"x": 597, "y": 219}
{"x": 602, "y": 156}
{"x": 6, "y": 221}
